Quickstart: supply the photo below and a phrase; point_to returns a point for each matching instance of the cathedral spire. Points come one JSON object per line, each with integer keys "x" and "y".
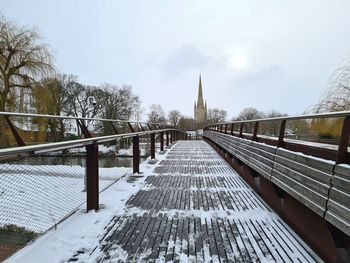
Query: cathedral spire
{"x": 200, "y": 109}
{"x": 200, "y": 101}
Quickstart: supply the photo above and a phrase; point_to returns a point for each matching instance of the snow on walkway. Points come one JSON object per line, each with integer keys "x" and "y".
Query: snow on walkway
{"x": 190, "y": 207}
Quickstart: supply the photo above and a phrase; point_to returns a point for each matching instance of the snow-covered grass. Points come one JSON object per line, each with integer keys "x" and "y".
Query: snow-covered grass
{"x": 37, "y": 197}
{"x": 85, "y": 229}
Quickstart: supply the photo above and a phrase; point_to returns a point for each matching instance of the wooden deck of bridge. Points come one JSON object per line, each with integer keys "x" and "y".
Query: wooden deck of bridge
{"x": 195, "y": 208}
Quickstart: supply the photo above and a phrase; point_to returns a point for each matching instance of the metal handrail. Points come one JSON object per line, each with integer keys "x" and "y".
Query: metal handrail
{"x": 299, "y": 117}
{"x": 57, "y": 146}
{"x": 340, "y": 155}
{"x": 5, "y": 113}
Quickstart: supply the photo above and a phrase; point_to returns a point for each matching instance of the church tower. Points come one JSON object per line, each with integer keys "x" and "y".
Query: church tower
{"x": 200, "y": 108}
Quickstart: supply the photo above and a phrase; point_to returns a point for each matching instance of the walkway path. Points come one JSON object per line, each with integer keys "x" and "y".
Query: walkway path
{"x": 195, "y": 208}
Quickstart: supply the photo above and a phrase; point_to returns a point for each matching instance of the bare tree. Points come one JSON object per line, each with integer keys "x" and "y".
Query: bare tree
{"x": 187, "y": 124}
{"x": 249, "y": 113}
{"x": 23, "y": 61}
{"x": 174, "y": 117}
{"x": 156, "y": 114}
{"x": 216, "y": 115}
{"x": 271, "y": 127}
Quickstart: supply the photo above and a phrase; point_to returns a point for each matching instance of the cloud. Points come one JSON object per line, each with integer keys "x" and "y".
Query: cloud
{"x": 185, "y": 58}
{"x": 265, "y": 75}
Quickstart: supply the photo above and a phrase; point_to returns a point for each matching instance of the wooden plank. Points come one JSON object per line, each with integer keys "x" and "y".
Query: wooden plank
{"x": 307, "y": 183}
{"x": 305, "y": 169}
{"x": 318, "y": 163}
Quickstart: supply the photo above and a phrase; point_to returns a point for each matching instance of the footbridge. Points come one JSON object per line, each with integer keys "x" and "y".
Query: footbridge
{"x": 269, "y": 190}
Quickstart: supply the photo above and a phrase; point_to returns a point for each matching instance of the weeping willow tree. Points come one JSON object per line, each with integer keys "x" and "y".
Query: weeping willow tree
{"x": 24, "y": 60}
{"x": 335, "y": 98}
{"x": 337, "y": 94}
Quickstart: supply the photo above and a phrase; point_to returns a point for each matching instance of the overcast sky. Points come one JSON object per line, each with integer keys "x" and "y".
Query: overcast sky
{"x": 269, "y": 54}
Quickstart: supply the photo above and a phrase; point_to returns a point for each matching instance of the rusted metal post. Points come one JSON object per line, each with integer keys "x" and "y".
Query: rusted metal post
{"x": 241, "y": 130}
{"x": 92, "y": 192}
{"x": 161, "y": 138}
{"x": 280, "y": 142}
{"x": 344, "y": 141}
{"x": 136, "y": 154}
{"x": 84, "y": 129}
{"x": 167, "y": 138}
{"x": 15, "y": 133}
{"x": 255, "y": 133}
{"x": 232, "y": 129}
{"x": 153, "y": 146}
{"x": 130, "y": 127}
{"x": 114, "y": 129}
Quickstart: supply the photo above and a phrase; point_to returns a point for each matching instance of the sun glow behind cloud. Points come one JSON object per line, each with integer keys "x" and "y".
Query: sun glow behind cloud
{"x": 238, "y": 61}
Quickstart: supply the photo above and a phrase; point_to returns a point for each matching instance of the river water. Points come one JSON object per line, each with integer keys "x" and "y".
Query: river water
{"x": 104, "y": 161}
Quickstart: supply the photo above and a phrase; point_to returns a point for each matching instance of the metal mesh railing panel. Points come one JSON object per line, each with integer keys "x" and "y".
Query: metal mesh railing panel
{"x": 35, "y": 197}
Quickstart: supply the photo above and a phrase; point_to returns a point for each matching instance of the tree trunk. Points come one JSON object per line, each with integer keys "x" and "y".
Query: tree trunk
{"x": 4, "y": 142}
{"x": 4, "y": 138}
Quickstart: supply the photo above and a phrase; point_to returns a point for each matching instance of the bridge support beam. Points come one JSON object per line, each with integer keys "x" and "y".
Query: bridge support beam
{"x": 136, "y": 154}
{"x": 92, "y": 191}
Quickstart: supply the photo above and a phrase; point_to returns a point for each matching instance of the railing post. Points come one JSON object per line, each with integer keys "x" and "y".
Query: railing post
{"x": 115, "y": 130}
{"x": 221, "y": 127}
{"x": 167, "y": 138}
{"x": 280, "y": 142}
{"x": 130, "y": 127}
{"x": 84, "y": 129}
{"x": 15, "y": 133}
{"x": 255, "y": 133}
{"x": 92, "y": 192}
{"x": 171, "y": 137}
{"x": 153, "y": 146}
{"x": 136, "y": 154}
{"x": 241, "y": 130}
{"x": 344, "y": 141}
{"x": 226, "y": 128}
{"x": 232, "y": 129}
{"x": 161, "y": 138}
